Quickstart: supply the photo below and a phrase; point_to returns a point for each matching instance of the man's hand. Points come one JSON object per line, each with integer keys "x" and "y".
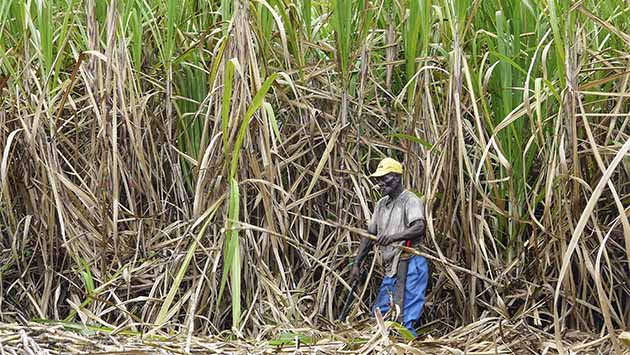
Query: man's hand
{"x": 355, "y": 273}
{"x": 386, "y": 239}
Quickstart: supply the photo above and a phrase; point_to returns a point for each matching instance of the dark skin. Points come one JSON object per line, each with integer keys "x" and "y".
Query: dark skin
{"x": 390, "y": 185}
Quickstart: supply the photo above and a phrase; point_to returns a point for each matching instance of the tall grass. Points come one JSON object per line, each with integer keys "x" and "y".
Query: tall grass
{"x": 153, "y": 151}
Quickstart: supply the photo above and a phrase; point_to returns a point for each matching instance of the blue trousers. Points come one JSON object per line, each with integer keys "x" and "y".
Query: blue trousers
{"x": 415, "y": 288}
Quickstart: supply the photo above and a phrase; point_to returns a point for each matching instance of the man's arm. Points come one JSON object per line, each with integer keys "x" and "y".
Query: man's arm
{"x": 414, "y": 232}
{"x": 364, "y": 249}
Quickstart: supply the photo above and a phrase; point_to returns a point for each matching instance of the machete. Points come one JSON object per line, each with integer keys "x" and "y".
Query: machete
{"x": 346, "y": 306}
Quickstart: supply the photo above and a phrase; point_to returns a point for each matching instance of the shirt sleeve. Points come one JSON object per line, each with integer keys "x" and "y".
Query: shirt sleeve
{"x": 414, "y": 210}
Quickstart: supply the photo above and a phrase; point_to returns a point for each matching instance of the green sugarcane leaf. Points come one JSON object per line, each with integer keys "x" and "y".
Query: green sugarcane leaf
{"x": 226, "y": 102}
{"x": 273, "y": 122}
{"x": 413, "y": 139}
{"x": 253, "y": 107}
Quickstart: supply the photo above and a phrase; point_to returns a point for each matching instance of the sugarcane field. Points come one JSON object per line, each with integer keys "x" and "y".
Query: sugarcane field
{"x": 431, "y": 177}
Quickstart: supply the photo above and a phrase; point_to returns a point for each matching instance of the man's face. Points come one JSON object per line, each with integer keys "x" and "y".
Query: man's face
{"x": 387, "y": 183}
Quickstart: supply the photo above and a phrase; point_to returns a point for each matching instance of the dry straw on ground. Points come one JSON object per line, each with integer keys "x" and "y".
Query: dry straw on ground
{"x": 485, "y": 337}
{"x": 186, "y": 167}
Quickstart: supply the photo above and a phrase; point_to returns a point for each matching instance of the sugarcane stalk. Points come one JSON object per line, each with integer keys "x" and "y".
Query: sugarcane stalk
{"x": 363, "y": 233}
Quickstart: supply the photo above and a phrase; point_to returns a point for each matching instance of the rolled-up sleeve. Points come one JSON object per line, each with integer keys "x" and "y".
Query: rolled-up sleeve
{"x": 414, "y": 210}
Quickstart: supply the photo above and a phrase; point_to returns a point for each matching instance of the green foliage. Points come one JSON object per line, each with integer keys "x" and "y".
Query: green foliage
{"x": 226, "y": 102}
{"x": 231, "y": 255}
{"x": 404, "y": 332}
{"x": 416, "y": 39}
{"x": 257, "y": 101}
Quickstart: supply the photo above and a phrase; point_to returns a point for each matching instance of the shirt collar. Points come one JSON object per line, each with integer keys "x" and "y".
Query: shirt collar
{"x": 388, "y": 201}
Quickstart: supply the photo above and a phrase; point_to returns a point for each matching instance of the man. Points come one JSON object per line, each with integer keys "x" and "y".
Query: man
{"x": 398, "y": 219}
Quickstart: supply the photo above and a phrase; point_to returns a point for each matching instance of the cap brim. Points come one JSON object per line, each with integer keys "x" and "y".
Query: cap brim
{"x": 379, "y": 173}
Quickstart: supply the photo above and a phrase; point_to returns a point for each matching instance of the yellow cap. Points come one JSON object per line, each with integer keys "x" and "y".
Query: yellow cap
{"x": 386, "y": 166}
